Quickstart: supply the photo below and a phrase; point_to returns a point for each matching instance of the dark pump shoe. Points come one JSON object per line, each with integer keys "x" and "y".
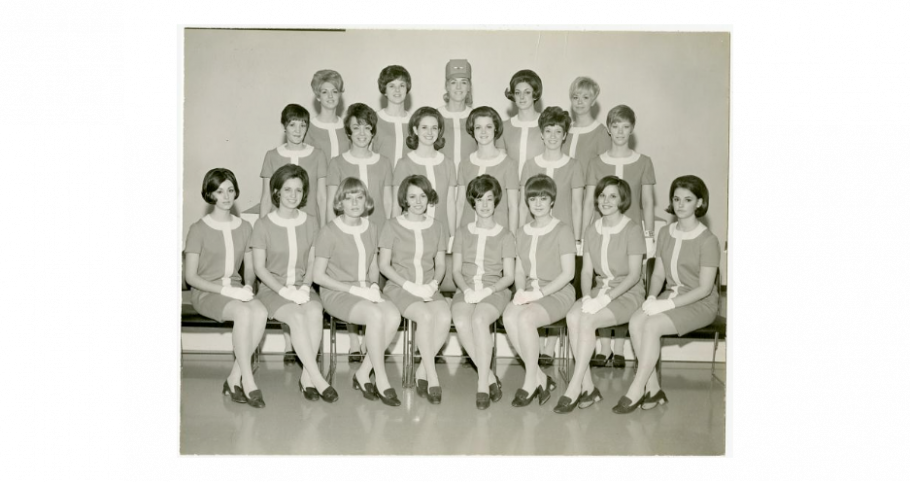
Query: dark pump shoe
{"x": 496, "y": 390}
{"x": 545, "y": 360}
{"x": 309, "y": 393}
{"x": 599, "y": 360}
{"x": 625, "y": 405}
{"x": 522, "y": 399}
{"x": 290, "y": 358}
{"x": 329, "y": 395}
{"x": 255, "y": 399}
{"x": 659, "y": 398}
{"x": 355, "y": 357}
{"x": 566, "y": 405}
{"x": 368, "y": 390}
{"x": 587, "y": 399}
{"x": 237, "y": 395}
{"x": 389, "y": 397}
{"x": 483, "y": 400}
{"x": 619, "y": 361}
{"x": 422, "y": 388}
{"x": 434, "y": 395}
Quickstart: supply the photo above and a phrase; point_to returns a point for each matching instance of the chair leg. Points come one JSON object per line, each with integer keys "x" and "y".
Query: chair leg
{"x": 333, "y": 352}
{"x": 714, "y": 358}
{"x": 564, "y": 354}
{"x": 408, "y": 373}
{"x": 493, "y": 358}
{"x": 660, "y": 352}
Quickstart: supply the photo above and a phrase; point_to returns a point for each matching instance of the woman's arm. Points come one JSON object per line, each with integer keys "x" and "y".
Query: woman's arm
{"x": 459, "y": 205}
{"x": 320, "y": 199}
{"x": 385, "y": 267}
{"x": 647, "y": 206}
{"x": 587, "y": 208}
{"x": 264, "y": 275}
{"x": 522, "y": 211}
{"x": 587, "y": 274}
{"x": 387, "y": 201}
{"x": 249, "y": 273}
{"x": 440, "y": 269}
{"x": 519, "y": 275}
{"x": 396, "y": 209}
{"x": 704, "y": 288}
{"x": 324, "y": 280}
{"x": 631, "y": 280}
{"x": 577, "y": 195}
{"x": 330, "y": 209}
{"x": 512, "y": 195}
{"x": 567, "y": 262}
{"x": 508, "y": 275}
{"x": 192, "y": 277}
{"x": 310, "y": 262}
{"x": 450, "y": 209}
{"x": 457, "y": 276}
{"x": 265, "y": 201}
{"x": 657, "y": 278}
{"x": 373, "y": 272}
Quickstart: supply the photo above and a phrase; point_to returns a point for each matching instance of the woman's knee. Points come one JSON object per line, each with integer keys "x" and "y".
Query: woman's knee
{"x": 573, "y": 317}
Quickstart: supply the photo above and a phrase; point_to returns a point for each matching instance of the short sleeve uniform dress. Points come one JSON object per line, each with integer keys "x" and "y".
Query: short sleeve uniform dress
{"x": 501, "y": 167}
{"x": 391, "y": 132}
{"x": 331, "y": 139}
{"x": 441, "y": 173}
{"x": 375, "y": 172}
{"x": 220, "y": 246}
{"x": 539, "y": 251}
{"x": 683, "y": 254}
{"x": 521, "y": 140}
{"x": 482, "y": 252}
{"x": 414, "y": 246}
{"x": 459, "y": 144}
{"x": 567, "y": 174}
{"x": 310, "y": 158}
{"x": 636, "y": 170}
{"x": 350, "y": 251}
{"x": 609, "y": 249}
{"x": 287, "y": 244}
{"x": 586, "y": 143}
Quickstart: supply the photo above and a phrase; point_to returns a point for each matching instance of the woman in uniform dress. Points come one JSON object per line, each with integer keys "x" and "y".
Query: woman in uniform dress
{"x": 459, "y": 100}
{"x": 391, "y": 127}
{"x": 327, "y": 131}
{"x": 521, "y": 135}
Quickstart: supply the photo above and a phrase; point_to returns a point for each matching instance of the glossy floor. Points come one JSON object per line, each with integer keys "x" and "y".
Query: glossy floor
{"x": 693, "y": 423}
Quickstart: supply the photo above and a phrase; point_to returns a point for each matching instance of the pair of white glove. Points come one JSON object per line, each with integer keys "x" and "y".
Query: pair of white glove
{"x": 370, "y": 294}
{"x": 523, "y": 297}
{"x": 473, "y": 297}
{"x": 653, "y": 306}
{"x": 297, "y": 295}
{"x": 593, "y": 305}
{"x": 424, "y": 291}
{"x": 242, "y": 294}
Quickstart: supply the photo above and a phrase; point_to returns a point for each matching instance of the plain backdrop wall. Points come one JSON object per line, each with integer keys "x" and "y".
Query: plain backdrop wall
{"x": 237, "y": 81}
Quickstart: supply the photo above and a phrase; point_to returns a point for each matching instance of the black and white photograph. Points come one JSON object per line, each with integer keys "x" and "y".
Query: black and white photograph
{"x": 454, "y": 242}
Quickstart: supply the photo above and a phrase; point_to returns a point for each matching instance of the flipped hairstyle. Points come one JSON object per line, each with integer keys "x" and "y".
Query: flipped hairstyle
{"x": 698, "y": 188}
{"x": 419, "y": 114}
{"x": 484, "y": 111}
{"x": 352, "y": 185}
{"x": 284, "y": 174}
{"x": 423, "y": 183}
{"x": 363, "y": 113}
{"x": 625, "y": 192}
{"x": 214, "y": 179}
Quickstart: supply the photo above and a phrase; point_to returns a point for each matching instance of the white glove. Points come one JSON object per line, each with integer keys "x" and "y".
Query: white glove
{"x": 242, "y": 294}
{"x": 368, "y": 294}
{"x": 658, "y": 306}
{"x": 303, "y": 295}
{"x": 651, "y": 246}
{"x": 478, "y": 296}
{"x": 421, "y": 291}
{"x": 451, "y": 243}
{"x": 524, "y": 297}
{"x": 434, "y": 285}
{"x": 593, "y": 305}
{"x": 377, "y": 293}
{"x": 647, "y": 303}
{"x": 288, "y": 293}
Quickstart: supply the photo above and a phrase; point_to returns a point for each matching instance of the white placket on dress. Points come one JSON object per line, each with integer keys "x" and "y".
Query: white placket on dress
{"x": 523, "y": 140}
{"x": 290, "y": 226}
{"x": 607, "y": 233}
{"x": 225, "y": 227}
{"x": 679, "y": 237}
{"x": 619, "y": 162}
{"x": 332, "y": 130}
{"x": 295, "y": 156}
{"x": 482, "y": 236}
{"x": 417, "y": 228}
{"x": 362, "y": 165}
{"x": 551, "y": 166}
{"x": 400, "y": 124}
{"x": 535, "y": 234}
{"x": 357, "y": 233}
{"x": 457, "y": 118}
{"x": 576, "y": 132}
{"x": 484, "y": 164}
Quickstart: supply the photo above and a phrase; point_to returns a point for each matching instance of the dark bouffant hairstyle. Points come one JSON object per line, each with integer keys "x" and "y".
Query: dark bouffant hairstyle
{"x": 625, "y": 192}
{"x": 363, "y": 113}
{"x": 531, "y": 78}
{"x": 481, "y": 185}
{"x": 484, "y": 111}
{"x": 419, "y": 114}
{"x": 294, "y": 112}
{"x": 285, "y": 173}
{"x": 697, "y": 186}
{"x": 393, "y": 72}
{"x": 214, "y": 179}
{"x": 423, "y": 183}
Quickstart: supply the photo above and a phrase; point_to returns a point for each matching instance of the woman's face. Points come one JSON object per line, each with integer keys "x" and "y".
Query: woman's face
{"x": 524, "y": 96}
{"x": 484, "y": 130}
{"x": 485, "y": 205}
{"x": 685, "y": 203}
{"x": 354, "y": 204}
{"x": 553, "y": 137}
{"x": 582, "y": 102}
{"x": 294, "y": 131}
{"x": 620, "y": 131}
{"x": 328, "y": 96}
{"x": 361, "y": 133}
{"x": 396, "y": 91}
{"x": 540, "y": 205}
{"x": 417, "y": 200}
{"x": 224, "y": 196}
{"x": 291, "y": 193}
{"x": 458, "y": 89}
{"x": 427, "y": 130}
{"x": 609, "y": 200}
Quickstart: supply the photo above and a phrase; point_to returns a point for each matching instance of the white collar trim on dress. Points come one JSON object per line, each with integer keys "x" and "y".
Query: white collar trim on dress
{"x": 541, "y": 230}
{"x": 454, "y": 115}
{"x": 364, "y": 224}
{"x": 617, "y": 161}
{"x": 415, "y": 225}
{"x": 602, "y": 229}
{"x": 369, "y": 161}
{"x": 473, "y": 229}
{"x": 285, "y": 152}
{"x": 288, "y": 223}
{"x": 688, "y": 234}
{"x": 435, "y": 161}
{"x": 234, "y": 223}
{"x": 395, "y": 120}
{"x": 487, "y": 162}
{"x": 338, "y": 124}
{"x": 584, "y": 130}
{"x": 562, "y": 161}
{"x": 517, "y": 123}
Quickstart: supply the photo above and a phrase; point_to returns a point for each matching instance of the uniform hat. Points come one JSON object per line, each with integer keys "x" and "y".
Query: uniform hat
{"x": 458, "y": 68}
